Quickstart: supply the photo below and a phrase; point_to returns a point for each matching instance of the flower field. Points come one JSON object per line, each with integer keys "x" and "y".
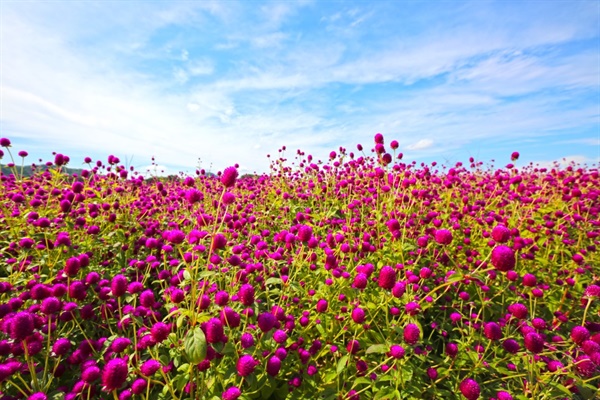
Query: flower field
{"x": 362, "y": 277}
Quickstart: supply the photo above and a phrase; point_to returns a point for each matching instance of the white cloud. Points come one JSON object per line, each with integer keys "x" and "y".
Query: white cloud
{"x": 421, "y": 145}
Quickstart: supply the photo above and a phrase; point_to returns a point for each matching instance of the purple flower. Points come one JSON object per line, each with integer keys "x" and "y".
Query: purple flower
{"x": 230, "y": 317}
{"x": 534, "y": 342}
{"x": 247, "y": 340}
{"x": 120, "y": 344}
{"x": 397, "y": 351}
{"x": 21, "y": 326}
{"x": 231, "y": 393}
{"x": 246, "y": 365}
{"x": 61, "y": 346}
{"x": 443, "y": 236}
{"x": 322, "y": 305}
{"x": 353, "y": 346}
{"x": 214, "y": 330}
{"x": 387, "y": 277}
{"x": 246, "y": 294}
{"x": 511, "y": 346}
{"x": 149, "y": 367}
{"x": 279, "y": 336}
{"x": 266, "y": 321}
{"x": 360, "y": 281}
{"x": 160, "y": 332}
{"x": 503, "y": 258}
{"x": 90, "y": 374}
{"x": 501, "y": 234}
{"x": 412, "y": 334}
{"x": 114, "y": 374}
{"x": 470, "y": 389}
{"x": 118, "y": 285}
{"x": 492, "y": 331}
{"x": 358, "y": 315}
{"x": 579, "y": 334}
{"x": 502, "y": 395}
{"x": 229, "y": 176}
{"x": 273, "y": 366}
{"x": 139, "y": 386}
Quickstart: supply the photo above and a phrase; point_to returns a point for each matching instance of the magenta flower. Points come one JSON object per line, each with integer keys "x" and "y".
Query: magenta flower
{"x": 246, "y": 365}
{"x": 470, "y": 389}
{"x": 387, "y": 277}
{"x": 246, "y": 294}
{"x": 412, "y": 334}
{"x": 214, "y": 330}
{"x": 273, "y": 366}
{"x": 322, "y": 305}
{"x": 231, "y": 393}
{"x": 358, "y": 315}
{"x": 443, "y": 236}
{"x": 266, "y": 321}
{"x": 492, "y": 331}
{"x": 21, "y": 326}
{"x": 149, "y": 367}
{"x": 229, "y": 176}
{"x": 579, "y": 334}
{"x": 534, "y": 342}
{"x": 114, "y": 374}
{"x": 397, "y": 351}
{"x": 503, "y": 258}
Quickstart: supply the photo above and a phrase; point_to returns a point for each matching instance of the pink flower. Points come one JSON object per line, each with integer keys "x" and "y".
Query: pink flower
{"x": 470, "y": 389}
{"x": 114, "y": 374}
{"x": 387, "y": 277}
{"x": 246, "y": 365}
{"x": 412, "y": 334}
{"x": 503, "y": 258}
{"x": 229, "y": 177}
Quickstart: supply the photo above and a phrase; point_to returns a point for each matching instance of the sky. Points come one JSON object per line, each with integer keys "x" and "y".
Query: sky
{"x": 203, "y": 84}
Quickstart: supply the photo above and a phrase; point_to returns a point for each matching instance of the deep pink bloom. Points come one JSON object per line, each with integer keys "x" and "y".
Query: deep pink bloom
{"x": 412, "y": 334}
{"x": 501, "y": 234}
{"x": 229, "y": 176}
{"x": 322, "y": 305}
{"x": 114, "y": 374}
{"x": 470, "y": 389}
{"x": 443, "y": 236}
{"x": 358, "y": 315}
{"x": 273, "y": 366}
{"x": 149, "y": 367}
{"x": 353, "y": 346}
{"x": 246, "y": 294}
{"x": 503, "y": 258}
{"x": 246, "y": 365}
{"x": 118, "y": 285}
{"x": 387, "y": 277}
{"x": 397, "y": 351}
{"x": 213, "y": 330}
{"x": 580, "y": 334}
{"x": 378, "y": 138}
{"x": 231, "y": 393}
{"x": 21, "y": 326}
{"x": 534, "y": 342}
{"x": 492, "y": 331}
{"x": 518, "y": 310}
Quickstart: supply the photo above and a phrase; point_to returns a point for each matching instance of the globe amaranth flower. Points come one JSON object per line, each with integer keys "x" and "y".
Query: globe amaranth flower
{"x": 21, "y": 326}
{"x": 322, "y": 305}
{"x": 579, "y": 334}
{"x": 273, "y": 365}
{"x": 114, "y": 374}
{"x": 503, "y": 258}
{"x": 229, "y": 177}
{"x": 358, "y": 315}
{"x": 534, "y": 342}
{"x": 397, "y": 351}
{"x": 149, "y": 367}
{"x": 443, "y": 236}
{"x": 266, "y": 321}
{"x": 411, "y": 334}
{"x": 353, "y": 346}
{"x": 387, "y": 277}
{"x": 492, "y": 331}
{"x": 500, "y": 234}
{"x": 246, "y": 365}
{"x": 231, "y": 393}
{"x": 470, "y": 389}
{"x": 61, "y": 346}
{"x": 246, "y": 294}
{"x": 213, "y": 330}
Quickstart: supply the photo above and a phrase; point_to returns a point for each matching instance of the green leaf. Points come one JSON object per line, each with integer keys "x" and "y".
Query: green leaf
{"x": 273, "y": 281}
{"x": 195, "y": 345}
{"x": 341, "y": 365}
{"x": 377, "y": 349}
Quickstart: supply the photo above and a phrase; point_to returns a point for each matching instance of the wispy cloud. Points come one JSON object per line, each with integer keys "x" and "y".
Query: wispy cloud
{"x": 232, "y": 81}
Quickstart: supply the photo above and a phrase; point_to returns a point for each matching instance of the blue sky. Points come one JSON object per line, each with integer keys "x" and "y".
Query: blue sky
{"x": 232, "y": 81}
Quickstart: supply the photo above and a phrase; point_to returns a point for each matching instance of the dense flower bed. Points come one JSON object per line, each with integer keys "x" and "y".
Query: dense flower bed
{"x": 359, "y": 278}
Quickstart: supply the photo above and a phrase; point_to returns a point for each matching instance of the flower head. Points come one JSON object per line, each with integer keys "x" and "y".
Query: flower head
{"x": 114, "y": 374}
{"x": 470, "y": 389}
{"x": 411, "y": 334}
{"x": 387, "y": 277}
{"x": 503, "y": 258}
{"x": 229, "y": 176}
{"x": 246, "y": 365}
